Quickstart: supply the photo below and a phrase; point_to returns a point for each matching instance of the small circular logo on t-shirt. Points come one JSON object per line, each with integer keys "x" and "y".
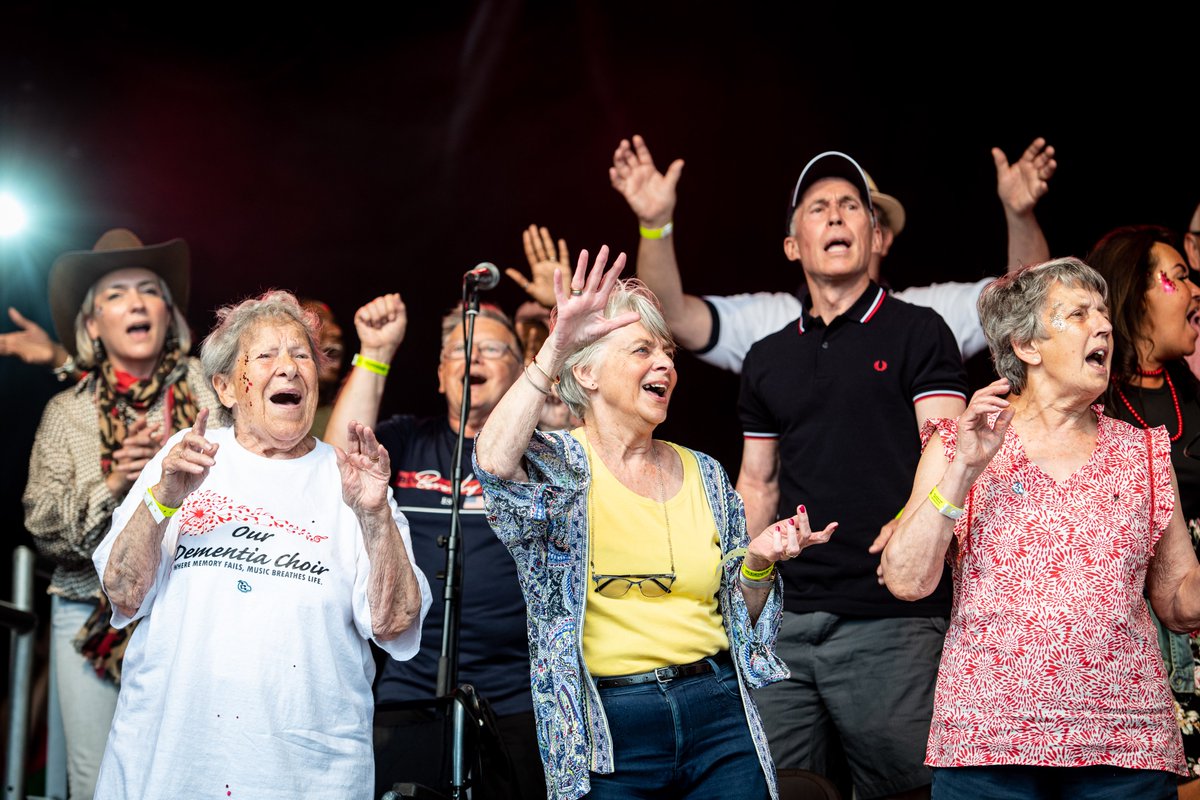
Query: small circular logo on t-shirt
{"x": 881, "y": 365}
{"x": 243, "y": 586}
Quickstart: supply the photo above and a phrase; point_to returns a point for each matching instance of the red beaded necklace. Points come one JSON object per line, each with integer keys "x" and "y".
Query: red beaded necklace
{"x": 1174, "y": 399}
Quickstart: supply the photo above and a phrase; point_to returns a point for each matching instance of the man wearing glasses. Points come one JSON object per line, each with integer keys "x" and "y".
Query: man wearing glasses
{"x": 494, "y": 649}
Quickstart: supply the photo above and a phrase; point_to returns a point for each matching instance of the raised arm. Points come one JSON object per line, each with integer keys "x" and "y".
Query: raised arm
{"x": 133, "y": 562}
{"x": 502, "y": 442}
{"x": 540, "y": 253}
{"x": 651, "y": 196}
{"x": 31, "y": 343}
{"x": 913, "y": 557}
{"x": 1020, "y": 186}
{"x": 393, "y": 590}
{"x": 381, "y": 325}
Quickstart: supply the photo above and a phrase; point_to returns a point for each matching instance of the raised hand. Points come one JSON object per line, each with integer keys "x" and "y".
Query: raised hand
{"x": 186, "y": 465}
{"x": 1021, "y": 184}
{"x": 366, "y": 470}
{"x": 785, "y": 540}
{"x": 31, "y": 343}
{"x": 580, "y": 316}
{"x": 978, "y": 441}
{"x": 649, "y": 193}
{"x": 381, "y": 325}
{"x": 539, "y": 250}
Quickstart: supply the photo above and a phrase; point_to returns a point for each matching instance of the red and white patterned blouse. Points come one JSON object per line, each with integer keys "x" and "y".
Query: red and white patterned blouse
{"x": 1051, "y": 658}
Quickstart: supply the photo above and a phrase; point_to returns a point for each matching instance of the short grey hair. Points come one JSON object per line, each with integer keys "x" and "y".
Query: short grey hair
{"x": 1011, "y": 308}
{"x": 219, "y": 350}
{"x": 627, "y": 295}
{"x": 85, "y": 348}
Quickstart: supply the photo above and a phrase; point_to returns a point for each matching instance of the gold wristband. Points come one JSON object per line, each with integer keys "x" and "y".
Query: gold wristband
{"x": 370, "y": 364}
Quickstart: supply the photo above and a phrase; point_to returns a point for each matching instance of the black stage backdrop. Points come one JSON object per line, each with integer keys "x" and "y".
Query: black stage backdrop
{"x": 350, "y": 152}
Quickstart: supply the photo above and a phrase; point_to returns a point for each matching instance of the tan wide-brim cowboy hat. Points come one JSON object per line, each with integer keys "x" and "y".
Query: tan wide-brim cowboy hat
{"x": 73, "y": 273}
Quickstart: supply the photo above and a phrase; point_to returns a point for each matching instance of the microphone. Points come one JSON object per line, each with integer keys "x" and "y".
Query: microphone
{"x": 483, "y": 277}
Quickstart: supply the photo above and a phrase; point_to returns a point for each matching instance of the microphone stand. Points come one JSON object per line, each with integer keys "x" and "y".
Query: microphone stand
{"x": 462, "y": 702}
{"x": 447, "y": 681}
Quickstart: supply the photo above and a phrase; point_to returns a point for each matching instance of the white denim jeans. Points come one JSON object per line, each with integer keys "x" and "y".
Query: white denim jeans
{"x": 86, "y": 700}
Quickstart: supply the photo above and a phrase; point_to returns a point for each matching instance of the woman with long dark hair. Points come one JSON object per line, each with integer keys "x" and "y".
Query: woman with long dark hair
{"x": 1152, "y": 301}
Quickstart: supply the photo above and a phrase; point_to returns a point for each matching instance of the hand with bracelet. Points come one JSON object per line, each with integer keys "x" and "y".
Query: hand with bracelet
{"x": 186, "y": 465}
{"x": 649, "y": 193}
{"x": 781, "y": 541}
{"x": 381, "y": 325}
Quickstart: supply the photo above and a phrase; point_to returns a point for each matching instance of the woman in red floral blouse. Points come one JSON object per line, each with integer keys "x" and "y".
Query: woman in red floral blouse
{"x": 1055, "y": 520}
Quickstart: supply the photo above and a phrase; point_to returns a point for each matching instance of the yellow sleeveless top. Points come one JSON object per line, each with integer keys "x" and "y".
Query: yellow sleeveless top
{"x": 628, "y": 536}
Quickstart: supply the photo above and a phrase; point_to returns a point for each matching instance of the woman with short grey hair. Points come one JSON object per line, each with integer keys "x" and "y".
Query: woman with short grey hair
{"x": 1009, "y": 311}
{"x": 221, "y": 346}
{"x": 652, "y": 613}
{"x": 1055, "y": 519}
{"x": 262, "y": 561}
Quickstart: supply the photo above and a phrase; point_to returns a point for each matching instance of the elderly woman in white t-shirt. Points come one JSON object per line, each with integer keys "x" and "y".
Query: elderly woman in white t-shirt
{"x": 261, "y": 561}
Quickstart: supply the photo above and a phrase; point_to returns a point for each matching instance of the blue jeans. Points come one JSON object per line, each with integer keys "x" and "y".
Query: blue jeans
{"x": 1052, "y": 783}
{"x": 683, "y": 738}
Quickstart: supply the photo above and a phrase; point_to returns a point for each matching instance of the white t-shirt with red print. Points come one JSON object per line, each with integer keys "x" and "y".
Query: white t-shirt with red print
{"x": 250, "y": 673}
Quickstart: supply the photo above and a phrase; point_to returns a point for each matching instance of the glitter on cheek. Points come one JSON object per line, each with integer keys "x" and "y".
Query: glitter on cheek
{"x": 1057, "y": 321}
{"x": 1168, "y": 285}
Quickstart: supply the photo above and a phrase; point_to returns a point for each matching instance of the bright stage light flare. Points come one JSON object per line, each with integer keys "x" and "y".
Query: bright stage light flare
{"x": 12, "y": 216}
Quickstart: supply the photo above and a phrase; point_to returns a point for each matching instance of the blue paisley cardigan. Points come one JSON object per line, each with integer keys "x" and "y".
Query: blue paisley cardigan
{"x": 544, "y": 524}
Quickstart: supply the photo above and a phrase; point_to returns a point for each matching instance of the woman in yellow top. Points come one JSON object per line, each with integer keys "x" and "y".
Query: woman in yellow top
{"x": 649, "y": 619}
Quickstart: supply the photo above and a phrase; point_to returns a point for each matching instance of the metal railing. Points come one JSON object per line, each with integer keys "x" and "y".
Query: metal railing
{"x": 18, "y": 616}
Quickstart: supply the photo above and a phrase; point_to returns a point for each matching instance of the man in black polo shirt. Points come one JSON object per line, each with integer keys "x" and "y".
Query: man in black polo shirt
{"x": 494, "y": 644}
{"x": 831, "y": 408}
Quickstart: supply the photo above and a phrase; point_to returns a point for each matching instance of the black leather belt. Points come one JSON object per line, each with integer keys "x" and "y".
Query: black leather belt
{"x": 664, "y": 674}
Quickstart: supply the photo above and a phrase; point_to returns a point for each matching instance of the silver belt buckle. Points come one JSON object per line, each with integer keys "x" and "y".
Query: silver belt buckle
{"x": 664, "y": 674}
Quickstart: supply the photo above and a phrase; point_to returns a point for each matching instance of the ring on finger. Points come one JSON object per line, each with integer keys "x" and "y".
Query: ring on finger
{"x": 576, "y": 292}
